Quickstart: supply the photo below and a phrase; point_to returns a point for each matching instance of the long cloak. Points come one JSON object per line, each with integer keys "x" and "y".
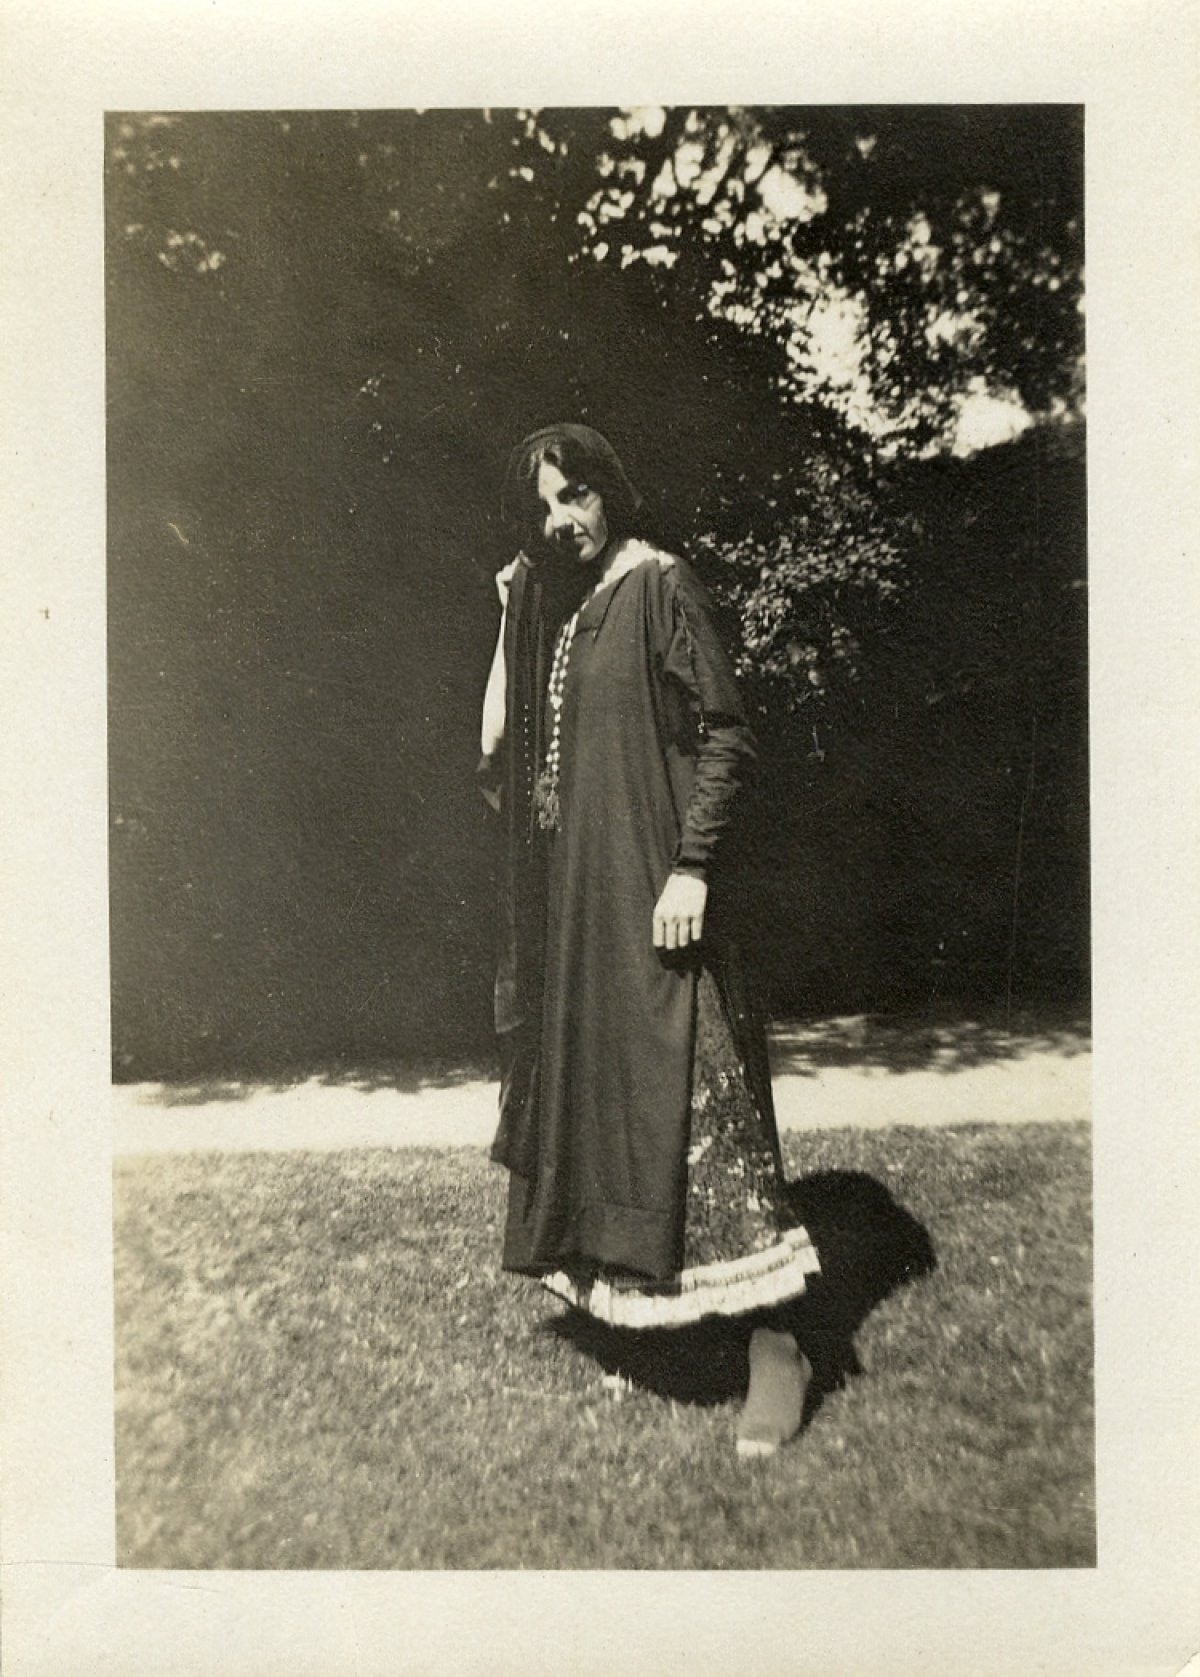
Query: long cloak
{"x": 598, "y": 1026}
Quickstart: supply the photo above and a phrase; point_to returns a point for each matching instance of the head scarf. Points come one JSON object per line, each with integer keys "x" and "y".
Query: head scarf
{"x": 573, "y": 449}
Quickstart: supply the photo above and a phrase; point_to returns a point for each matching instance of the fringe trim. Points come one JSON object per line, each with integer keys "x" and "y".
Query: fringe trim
{"x": 546, "y": 802}
{"x": 729, "y": 1288}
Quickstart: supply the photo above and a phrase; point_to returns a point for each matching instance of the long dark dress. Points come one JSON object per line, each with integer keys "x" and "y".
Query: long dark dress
{"x": 636, "y": 1118}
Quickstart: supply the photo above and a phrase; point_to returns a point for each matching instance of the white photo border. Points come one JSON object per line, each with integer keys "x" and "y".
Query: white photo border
{"x": 67, "y": 1608}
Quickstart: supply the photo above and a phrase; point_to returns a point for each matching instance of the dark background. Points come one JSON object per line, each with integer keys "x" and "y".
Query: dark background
{"x": 325, "y": 330}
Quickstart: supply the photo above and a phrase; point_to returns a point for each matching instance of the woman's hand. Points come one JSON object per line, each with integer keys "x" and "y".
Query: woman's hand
{"x": 679, "y": 912}
{"x": 504, "y": 580}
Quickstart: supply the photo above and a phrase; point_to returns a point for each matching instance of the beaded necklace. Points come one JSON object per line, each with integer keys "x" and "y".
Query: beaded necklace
{"x": 545, "y": 797}
{"x": 546, "y": 800}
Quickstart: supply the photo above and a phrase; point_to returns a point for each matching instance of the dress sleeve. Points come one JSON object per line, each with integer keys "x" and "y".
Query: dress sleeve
{"x": 725, "y": 750}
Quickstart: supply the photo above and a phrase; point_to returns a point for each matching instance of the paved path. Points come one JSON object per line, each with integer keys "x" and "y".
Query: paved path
{"x": 828, "y": 1076}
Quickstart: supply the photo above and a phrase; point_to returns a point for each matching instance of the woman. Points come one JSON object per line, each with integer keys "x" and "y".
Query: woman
{"x": 636, "y": 1122}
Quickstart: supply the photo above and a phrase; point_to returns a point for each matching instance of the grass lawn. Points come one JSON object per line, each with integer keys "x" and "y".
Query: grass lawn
{"x": 320, "y": 1365}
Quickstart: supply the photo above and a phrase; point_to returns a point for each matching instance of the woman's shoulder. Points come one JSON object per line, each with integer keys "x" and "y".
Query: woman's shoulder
{"x": 658, "y": 565}
{"x": 668, "y": 574}
{"x": 639, "y": 550}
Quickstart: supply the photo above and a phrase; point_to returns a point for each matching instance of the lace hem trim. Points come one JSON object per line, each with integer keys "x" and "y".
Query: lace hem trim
{"x": 728, "y": 1288}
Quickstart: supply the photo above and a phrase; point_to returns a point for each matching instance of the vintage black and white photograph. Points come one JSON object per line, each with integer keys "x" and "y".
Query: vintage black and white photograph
{"x": 599, "y": 838}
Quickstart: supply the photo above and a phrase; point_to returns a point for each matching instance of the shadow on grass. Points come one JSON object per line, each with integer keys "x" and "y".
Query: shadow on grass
{"x": 899, "y": 1042}
{"x": 881, "y": 1042}
{"x": 407, "y": 1077}
{"x": 868, "y": 1245}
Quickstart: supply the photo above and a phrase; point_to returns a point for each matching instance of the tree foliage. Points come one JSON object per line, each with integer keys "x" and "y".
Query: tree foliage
{"x": 764, "y": 306}
{"x": 326, "y": 329}
{"x": 933, "y": 247}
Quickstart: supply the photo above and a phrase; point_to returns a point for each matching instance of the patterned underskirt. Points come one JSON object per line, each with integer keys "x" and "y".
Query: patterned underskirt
{"x": 741, "y": 1250}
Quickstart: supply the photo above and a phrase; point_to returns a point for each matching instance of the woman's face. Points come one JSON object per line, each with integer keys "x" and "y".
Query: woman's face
{"x": 573, "y": 516}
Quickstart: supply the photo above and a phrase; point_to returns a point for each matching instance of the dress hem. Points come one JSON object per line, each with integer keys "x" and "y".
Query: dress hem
{"x": 731, "y": 1288}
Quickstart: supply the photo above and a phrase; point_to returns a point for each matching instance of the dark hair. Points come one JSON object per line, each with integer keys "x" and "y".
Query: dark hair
{"x": 578, "y": 452}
